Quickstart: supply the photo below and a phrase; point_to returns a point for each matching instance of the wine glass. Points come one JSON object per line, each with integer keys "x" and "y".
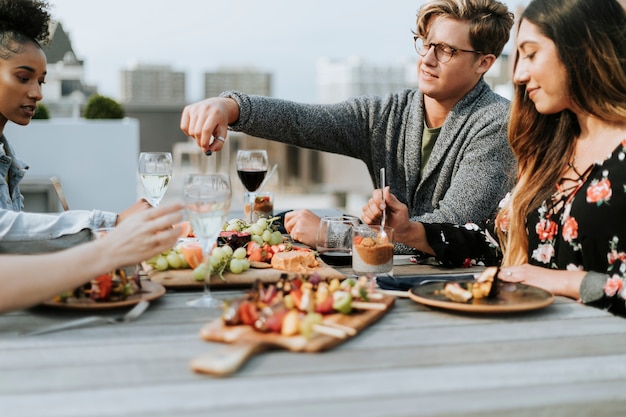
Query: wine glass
{"x": 155, "y": 171}
{"x": 251, "y": 168}
{"x": 207, "y": 202}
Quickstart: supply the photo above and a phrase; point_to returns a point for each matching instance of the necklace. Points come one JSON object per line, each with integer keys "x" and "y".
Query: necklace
{"x": 572, "y": 165}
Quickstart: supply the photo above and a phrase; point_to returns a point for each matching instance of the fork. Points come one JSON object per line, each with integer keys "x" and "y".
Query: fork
{"x": 131, "y": 315}
{"x": 383, "y": 234}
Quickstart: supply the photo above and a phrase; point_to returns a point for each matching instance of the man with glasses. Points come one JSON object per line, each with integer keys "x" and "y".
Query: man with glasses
{"x": 443, "y": 145}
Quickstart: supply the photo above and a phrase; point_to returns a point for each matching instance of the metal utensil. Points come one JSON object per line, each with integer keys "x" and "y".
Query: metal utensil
{"x": 382, "y": 192}
{"x": 383, "y": 235}
{"x": 131, "y": 315}
{"x": 56, "y": 183}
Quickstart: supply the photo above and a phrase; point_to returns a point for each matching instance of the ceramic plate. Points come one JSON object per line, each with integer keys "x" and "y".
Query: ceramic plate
{"x": 149, "y": 291}
{"x": 512, "y": 297}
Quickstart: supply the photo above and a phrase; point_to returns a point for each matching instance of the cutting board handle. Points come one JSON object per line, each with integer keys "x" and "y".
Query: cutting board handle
{"x": 226, "y": 361}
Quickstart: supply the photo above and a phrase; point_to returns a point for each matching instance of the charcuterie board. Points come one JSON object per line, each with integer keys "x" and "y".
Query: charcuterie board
{"x": 245, "y": 341}
{"x": 183, "y": 278}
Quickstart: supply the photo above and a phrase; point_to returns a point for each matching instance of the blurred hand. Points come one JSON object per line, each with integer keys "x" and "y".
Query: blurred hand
{"x": 138, "y": 206}
{"x": 208, "y": 120}
{"x": 143, "y": 235}
{"x": 302, "y": 226}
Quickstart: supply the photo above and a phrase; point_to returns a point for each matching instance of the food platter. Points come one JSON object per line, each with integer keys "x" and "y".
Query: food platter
{"x": 244, "y": 341}
{"x": 183, "y": 278}
{"x": 149, "y": 291}
{"x": 511, "y": 298}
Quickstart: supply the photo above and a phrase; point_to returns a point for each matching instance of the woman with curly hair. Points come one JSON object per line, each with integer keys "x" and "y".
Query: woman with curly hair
{"x": 563, "y": 227}
{"x": 23, "y": 26}
{"x": 28, "y": 280}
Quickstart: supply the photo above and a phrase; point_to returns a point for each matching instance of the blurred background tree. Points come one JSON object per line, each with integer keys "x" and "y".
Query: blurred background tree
{"x": 41, "y": 112}
{"x": 101, "y": 107}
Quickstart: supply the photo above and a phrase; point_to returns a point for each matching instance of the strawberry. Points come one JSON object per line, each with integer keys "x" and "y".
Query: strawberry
{"x": 325, "y": 306}
{"x": 248, "y": 312}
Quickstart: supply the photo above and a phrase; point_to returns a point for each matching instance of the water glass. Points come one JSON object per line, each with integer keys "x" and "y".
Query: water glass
{"x": 334, "y": 239}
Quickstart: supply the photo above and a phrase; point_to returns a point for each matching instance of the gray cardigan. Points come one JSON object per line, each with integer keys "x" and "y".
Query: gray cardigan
{"x": 469, "y": 170}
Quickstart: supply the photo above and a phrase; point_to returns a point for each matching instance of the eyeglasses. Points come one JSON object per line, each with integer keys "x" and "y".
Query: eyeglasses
{"x": 443, "y": 52}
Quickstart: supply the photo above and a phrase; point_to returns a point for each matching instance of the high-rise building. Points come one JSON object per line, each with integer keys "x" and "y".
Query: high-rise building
{"x": 152, "y": 84}
{"x": 247, "y": 80}
{"x": 65, "y": 90}
{"x": 337, "y": 80}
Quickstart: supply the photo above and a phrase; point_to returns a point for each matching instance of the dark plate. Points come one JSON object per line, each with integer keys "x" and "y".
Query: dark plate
{"x": 512, "y": 297}
{"x": 149, "y": 291}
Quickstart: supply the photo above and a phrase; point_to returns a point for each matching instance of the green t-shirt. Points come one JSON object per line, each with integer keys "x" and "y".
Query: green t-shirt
{"x": 429, "y": 137}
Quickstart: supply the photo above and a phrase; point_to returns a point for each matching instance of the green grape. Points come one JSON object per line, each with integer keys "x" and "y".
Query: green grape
{"x": 262, "y": 222}
{"x": 235, "y": 266}
{"x": 200, "y": 272}
{"x": 219, "y": 252}
{"x": 152, "y": 261}
{"x": 183, "y": 262}
{"x": 246, "y": 264}
{"x": 258, "y": 239}
{"x": 231, "y": 228}
{"x": 228, "y": 251}
{"x": 173, "y": 260}
{"x": 216, "y": 262}
{"x": 161, "y": 263}
{"x": 240, "y": 253}
{"x": 276, "y": 238}
{"x": 267, "y": 235}
{"x": 255, "y": 229}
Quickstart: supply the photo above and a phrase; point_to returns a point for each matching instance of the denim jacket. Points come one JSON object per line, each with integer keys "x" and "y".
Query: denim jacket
{"x": 22, "y": 232}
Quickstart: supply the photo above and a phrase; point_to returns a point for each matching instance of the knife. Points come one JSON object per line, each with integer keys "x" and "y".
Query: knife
{"x": 406, "y": 282}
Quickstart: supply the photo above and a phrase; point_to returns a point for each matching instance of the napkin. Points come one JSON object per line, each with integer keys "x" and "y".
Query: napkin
{"x": 404, "y": 283}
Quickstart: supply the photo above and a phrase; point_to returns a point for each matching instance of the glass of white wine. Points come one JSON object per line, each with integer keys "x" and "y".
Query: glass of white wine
{"x": 155, "y": 172}
{"x": 207, "y": 202}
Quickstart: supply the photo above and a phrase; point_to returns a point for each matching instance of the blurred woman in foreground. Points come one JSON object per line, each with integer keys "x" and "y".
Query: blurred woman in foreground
{"x": 27, "y": 280}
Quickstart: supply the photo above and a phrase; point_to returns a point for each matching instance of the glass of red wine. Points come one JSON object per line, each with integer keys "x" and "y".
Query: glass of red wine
{"x": 251, "y": 168}
{"x": 334, "y": 239}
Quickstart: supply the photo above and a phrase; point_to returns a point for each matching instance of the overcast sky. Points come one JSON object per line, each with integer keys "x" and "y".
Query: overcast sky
{"x": 284, "y": 37}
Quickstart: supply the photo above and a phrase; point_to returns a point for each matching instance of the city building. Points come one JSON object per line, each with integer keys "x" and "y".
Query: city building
{"x": 65, "y": 91}
{"x": 248, "y": 80}
{"x": 154, "y": 95}
{"x": 152, "y": 84}
{"x": 339, "y": 79}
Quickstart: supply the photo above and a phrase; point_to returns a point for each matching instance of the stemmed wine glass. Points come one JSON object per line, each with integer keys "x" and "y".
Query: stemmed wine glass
{"x": 207, "y": 202}
{"x": 251, "y": 168}
{"x": 155, "y": 171}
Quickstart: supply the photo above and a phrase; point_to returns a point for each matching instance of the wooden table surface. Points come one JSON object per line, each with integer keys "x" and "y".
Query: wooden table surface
{"x": 564, "y": 360}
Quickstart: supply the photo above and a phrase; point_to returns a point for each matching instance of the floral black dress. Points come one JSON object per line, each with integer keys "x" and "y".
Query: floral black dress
{"x": 582, "y": 227}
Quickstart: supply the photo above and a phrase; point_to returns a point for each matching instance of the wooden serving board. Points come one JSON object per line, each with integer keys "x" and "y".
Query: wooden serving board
{"x": 245, "y": 341}
{"x": 183, "y": 278}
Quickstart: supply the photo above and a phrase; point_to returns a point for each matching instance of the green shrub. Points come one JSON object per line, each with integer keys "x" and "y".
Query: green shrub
{"x": 41, "y": 112}
{"x": 101, "y": 107}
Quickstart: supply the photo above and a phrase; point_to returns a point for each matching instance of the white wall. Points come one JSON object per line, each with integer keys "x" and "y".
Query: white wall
{"x": 96, "y": 160}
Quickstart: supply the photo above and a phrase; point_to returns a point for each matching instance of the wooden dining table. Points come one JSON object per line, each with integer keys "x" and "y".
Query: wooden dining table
{"x": 566, "y": 359}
